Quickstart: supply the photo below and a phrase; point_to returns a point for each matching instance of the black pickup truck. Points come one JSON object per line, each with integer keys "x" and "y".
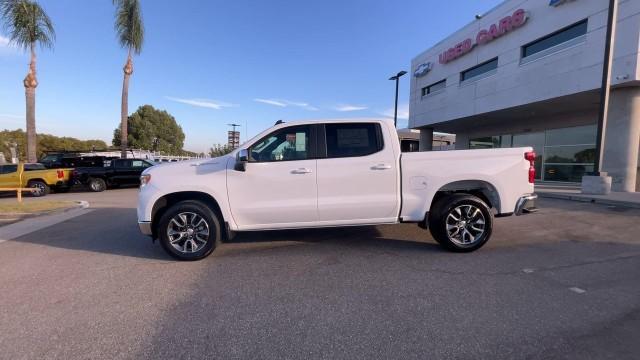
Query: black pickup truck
{"x": 114, "y": 173}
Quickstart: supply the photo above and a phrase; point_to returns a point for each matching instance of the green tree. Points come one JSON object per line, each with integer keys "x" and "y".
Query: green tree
{"x": 152, "y": 129}
{"x": 28, "y": 25}
{"x": 130, "y": 30}
{"x": 219, "y": 150}
{"x": 45, "y": 143}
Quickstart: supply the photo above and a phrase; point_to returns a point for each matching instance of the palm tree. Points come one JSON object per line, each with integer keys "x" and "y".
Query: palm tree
{"x": 28, "y": 25}
{"x": 130, "y": 32}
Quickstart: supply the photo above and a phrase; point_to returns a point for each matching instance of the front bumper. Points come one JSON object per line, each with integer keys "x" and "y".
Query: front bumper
{"x": 145, "y": 227}
{"x": 526, "y": 204}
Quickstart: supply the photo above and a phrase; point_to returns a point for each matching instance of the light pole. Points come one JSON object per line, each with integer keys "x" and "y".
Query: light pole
{"x": 396, "y": 77}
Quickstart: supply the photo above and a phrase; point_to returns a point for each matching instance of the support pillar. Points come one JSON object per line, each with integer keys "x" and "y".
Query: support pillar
{"x": 426, "y": 139}
{"x": 622, "y": 137}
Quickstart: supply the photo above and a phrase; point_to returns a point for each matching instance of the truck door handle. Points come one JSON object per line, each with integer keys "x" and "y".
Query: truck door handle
{"x": 301, "y": 171}
{"x": 381, "y": 167}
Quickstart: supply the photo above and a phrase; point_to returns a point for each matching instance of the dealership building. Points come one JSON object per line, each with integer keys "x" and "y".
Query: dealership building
{"x": 528, "y": 73}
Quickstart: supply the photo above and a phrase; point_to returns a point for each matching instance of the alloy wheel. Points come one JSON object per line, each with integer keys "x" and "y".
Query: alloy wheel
{"x": 39, "y": 189}
{"x": 188, "y": 232}
{"x": 465, "y": 225}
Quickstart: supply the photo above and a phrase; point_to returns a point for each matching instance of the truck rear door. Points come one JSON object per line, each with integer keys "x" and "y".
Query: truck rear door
{"x": 9, "y": 177}
{"x": 357, "y": 174}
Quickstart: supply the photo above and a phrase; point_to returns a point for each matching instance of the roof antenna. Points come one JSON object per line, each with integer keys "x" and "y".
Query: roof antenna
{"x": 279, "y": 122}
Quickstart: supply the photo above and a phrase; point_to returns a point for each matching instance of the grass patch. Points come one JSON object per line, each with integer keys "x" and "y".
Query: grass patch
{"x": 29, "y": 207}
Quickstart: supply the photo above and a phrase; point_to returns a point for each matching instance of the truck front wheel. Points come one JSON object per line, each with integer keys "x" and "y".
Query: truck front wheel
{"x": 189, "y": 230}
{"x": 461, "y": 222}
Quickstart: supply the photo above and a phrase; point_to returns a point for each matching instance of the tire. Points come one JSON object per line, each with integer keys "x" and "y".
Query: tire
{"x": 97, "y": 184}
{"x": 461, "y": 222}
{"x": 43, "y": 188}
{"x": 189, "y": 230}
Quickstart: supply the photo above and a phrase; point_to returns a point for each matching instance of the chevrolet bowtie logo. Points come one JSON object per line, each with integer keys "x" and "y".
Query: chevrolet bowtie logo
{"x": 423, "y": 69}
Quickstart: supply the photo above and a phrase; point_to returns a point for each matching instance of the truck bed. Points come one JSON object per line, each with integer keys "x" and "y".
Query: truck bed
{"x": 500, "y": 171}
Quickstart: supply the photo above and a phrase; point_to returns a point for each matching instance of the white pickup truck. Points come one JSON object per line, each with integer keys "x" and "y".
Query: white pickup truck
{"x": 333, "y": 173}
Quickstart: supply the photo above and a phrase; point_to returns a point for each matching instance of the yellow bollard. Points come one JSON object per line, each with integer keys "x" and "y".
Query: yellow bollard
{"x": 20, "y": 171}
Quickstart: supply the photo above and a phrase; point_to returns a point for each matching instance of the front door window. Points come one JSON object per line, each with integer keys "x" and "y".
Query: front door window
{"x": 286, "y": 144}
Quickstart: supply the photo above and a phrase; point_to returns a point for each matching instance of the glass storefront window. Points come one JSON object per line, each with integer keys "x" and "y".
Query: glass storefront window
{"x": 564, "y": 154}
{"x": 571, "y": 136}
{"x": 490, "y": 142}
{"x": 565, "y": 173}
{"x": 482, "y": 143}
{"x": 536, "y": 141}
{"x": 580, "y": 154}
{"x": 506, "y": 141}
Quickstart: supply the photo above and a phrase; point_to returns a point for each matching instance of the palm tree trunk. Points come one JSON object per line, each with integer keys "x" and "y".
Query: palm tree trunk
{"x": 124, "y": 109}
{"x": 30, "y": 84}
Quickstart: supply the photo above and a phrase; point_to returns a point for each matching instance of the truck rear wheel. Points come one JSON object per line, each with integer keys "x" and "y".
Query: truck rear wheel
{"x": 461, "y": 222}
{"x": 97, "y": 184}
{"x": 40, "y": 188}
{"x": 189, "y": 230}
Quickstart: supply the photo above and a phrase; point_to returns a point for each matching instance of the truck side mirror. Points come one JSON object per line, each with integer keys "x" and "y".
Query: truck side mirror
{"x": 242, "y": 158}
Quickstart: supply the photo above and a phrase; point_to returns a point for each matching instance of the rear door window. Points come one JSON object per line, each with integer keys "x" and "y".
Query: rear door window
{"x": 8, "y": 169}
{"x": 121, "y": 163}
{"x": 30, "y": 167}
{"x": 353, "y": 139}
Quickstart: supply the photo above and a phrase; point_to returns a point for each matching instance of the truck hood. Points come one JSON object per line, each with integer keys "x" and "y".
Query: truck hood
{"x": 189, "y": 167}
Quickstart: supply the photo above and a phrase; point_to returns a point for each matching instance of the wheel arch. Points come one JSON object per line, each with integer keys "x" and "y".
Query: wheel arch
{"x": 37, "y": 179}
{"x": 163, "y": 203}
{"x": 480, "y": 188}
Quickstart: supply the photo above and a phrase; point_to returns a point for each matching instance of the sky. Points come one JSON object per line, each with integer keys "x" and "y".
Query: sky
{"x": 210, "y": 63}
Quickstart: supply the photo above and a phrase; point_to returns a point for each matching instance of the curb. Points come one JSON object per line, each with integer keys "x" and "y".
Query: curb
{"x": 35, "y": 223}
{"x": 587, "y": 199}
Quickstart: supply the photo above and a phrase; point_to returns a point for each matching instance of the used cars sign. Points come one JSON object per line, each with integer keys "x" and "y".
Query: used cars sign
{"x": 484, "y": 36}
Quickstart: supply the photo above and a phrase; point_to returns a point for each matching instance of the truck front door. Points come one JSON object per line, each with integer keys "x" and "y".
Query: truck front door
{"x": 278, "y": 187}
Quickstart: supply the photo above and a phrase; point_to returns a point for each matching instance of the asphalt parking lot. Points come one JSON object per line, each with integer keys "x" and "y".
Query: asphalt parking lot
{"x": 562, "y": 283}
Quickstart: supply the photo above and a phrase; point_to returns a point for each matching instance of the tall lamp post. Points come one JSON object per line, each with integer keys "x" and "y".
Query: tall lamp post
{"x": 396, "y": 77}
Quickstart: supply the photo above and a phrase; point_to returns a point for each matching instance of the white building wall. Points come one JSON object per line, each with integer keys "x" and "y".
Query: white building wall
{"x": 569, "y": 71}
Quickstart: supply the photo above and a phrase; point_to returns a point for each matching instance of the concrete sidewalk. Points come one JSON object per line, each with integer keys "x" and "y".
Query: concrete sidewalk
{"x": 567, "y": 192}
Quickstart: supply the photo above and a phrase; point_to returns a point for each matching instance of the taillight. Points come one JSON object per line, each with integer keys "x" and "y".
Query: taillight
{"x": 60, "y": 174}
{"x": 531, "y": 157}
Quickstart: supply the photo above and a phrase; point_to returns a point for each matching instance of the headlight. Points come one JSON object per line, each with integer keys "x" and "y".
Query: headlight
{"x": 145, "y": 179}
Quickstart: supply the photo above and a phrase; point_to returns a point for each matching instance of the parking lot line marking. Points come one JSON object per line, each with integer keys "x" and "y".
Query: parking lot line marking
{"x": 577, "y": 290}
{"x": 527, "y": 271}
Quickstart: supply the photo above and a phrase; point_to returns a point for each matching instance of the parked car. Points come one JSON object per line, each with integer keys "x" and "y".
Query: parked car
{"x": 35, "y": 176}
{"x": 333, "y": 173}
{"x": 59, "y": 160}
{"x": 114, "y": 173}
